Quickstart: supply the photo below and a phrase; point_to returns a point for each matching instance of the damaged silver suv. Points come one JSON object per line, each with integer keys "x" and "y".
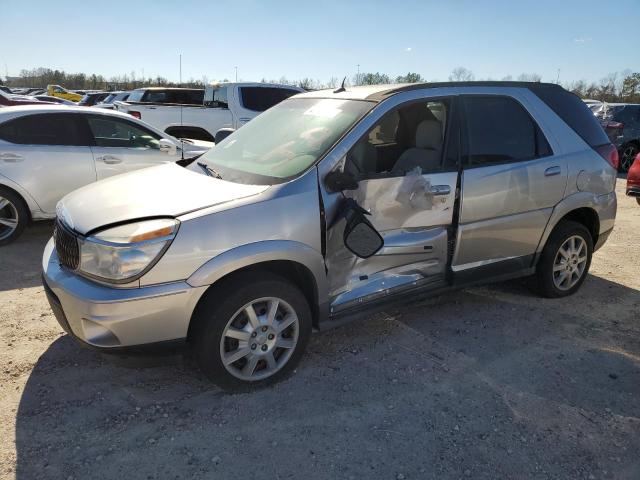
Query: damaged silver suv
{"x": 328, "y": 205}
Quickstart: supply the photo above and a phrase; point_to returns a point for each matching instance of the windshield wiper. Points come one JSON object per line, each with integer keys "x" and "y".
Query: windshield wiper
{"x": 209, "y": 171}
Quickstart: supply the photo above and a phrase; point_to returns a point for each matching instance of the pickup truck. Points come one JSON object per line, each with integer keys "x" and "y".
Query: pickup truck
{"x": 208, "y": 114}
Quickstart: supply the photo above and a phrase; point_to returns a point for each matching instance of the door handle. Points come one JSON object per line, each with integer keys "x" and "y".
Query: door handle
{"x": 109, "y": 159}
{"x": 440, "y": 190}
{"x": 11, "y": 157}
{"x": 551, "y": 171}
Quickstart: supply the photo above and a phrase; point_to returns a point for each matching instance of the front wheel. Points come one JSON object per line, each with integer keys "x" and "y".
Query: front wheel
{"x": 627, "y": 155}
{"x": 565, "y": 260}
{"x": 251, "y": 331}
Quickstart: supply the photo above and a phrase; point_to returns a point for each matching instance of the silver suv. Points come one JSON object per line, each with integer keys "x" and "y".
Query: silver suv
{"x": 328, "y": 205}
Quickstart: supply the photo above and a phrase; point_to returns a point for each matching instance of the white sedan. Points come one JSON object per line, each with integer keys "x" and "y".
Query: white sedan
{"x": 49, "y": 151}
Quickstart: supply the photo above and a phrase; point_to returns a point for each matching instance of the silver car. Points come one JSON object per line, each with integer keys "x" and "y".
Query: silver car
{"x": 48, "y": 151}
{"x": 326, "y": 206}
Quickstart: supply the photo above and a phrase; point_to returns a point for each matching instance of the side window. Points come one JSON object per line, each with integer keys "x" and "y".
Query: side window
{"x": 260, "y": 99}
{"x": 216, "y": 98}
{"x": 112, "y": 132}
{"x": 153, "y": 96}
{"x": 499, "y": 130}
{"x": 136, "y": 95}
{"x": 407, "y": 140}
{"x": 385, "y": 131}
{"x": 44, "y": 129}
{"x": 186, "y": 97}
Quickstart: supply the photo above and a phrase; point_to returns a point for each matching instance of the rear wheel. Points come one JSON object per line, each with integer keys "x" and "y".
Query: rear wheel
{"x": 627, "y": 155}
{"x": 251, "y": 331}
{"x": 14, "y": 216}
{"x": 565, "y": 260}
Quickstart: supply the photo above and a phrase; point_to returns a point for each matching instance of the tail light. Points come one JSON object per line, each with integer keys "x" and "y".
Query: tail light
{"x": 133, "y": 113}
{"x": 609, "y": 152}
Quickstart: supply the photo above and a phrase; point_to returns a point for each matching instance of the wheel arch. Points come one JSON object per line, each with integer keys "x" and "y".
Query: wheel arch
{"x": 291, "y": 260}
{"x": 582, "y": 209}
{"x": 24, "y": 196}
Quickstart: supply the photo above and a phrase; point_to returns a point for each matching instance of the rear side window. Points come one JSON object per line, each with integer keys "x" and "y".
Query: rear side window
{"x": 499, "y": 130}
{"x": 260, "y": 99}
{"x": 44, "y": 129}
{"x": 574, "y": 112}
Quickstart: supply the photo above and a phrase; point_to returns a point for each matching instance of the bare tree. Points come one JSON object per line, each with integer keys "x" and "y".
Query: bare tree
{"x": 461, "y": 74}
{"x": 529, "y": 77}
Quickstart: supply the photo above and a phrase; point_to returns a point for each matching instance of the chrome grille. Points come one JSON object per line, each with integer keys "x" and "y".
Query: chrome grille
{"x": 66, "y": 246}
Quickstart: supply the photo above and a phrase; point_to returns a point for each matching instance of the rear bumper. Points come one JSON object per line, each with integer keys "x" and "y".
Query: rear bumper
{"x": 116, "y": 319}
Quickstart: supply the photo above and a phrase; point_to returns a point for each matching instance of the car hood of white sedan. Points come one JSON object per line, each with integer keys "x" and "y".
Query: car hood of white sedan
{"x": 163, "y": 191}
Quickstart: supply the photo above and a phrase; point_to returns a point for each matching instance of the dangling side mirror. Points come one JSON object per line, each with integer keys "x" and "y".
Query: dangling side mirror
{"x": 360, "y": 237}
{"x": 339, "y": 181}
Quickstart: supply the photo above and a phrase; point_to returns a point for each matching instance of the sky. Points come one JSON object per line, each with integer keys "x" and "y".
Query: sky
{"x": 322, "y": 39}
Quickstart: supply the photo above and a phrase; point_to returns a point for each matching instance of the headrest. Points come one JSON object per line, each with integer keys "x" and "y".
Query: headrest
{"x": 429, "y": 135}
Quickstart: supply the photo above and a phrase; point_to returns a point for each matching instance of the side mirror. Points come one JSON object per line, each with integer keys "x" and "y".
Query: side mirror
{"x": 360, "y": 237}
{"x": 338, "y": 181}
{"x": 167, "y": 146}
{"x": 222, "y": 134}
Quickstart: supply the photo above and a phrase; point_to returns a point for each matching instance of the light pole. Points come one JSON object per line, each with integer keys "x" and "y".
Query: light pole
{"x": 358, "y": 75}
{"x": 236, "y": 74}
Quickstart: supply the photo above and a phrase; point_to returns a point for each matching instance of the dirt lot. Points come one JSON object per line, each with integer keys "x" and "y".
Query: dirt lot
{"x": 489, "y": 382}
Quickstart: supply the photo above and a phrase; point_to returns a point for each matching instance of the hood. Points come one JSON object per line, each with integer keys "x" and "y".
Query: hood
{"x": 163, "y": 191}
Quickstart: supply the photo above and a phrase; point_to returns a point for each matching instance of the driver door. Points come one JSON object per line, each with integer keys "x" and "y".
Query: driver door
{"x": 406, "y": 168}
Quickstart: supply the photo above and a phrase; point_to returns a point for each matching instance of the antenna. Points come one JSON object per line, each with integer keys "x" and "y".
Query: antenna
{"x": 341, "y": 89}
{"x": 181, "y": 142}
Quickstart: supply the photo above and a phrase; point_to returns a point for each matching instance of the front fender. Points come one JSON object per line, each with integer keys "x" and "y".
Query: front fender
{"x": 259, "y": 252}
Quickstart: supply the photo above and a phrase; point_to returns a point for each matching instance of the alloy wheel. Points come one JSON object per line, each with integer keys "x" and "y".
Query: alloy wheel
{"x": 8, "y": 218}
{"x": 570, "y": 262}
{"x": 259, "y": 339}
{"x": 627, "y": 157}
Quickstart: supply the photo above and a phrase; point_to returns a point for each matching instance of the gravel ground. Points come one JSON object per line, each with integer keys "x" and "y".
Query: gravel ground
{"x": 490, "y": 382}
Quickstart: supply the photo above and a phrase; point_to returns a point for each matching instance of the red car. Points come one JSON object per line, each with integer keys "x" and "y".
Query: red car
{"x": 633, "y": 179}
{"x": 7, "y": 100}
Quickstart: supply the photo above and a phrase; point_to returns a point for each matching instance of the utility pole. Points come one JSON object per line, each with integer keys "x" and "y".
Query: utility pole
{"x": 236, "y": 74}
{"x": 558, "y": 77}
{"x": 180, "y": 80}
{"x": 358, "y": 75}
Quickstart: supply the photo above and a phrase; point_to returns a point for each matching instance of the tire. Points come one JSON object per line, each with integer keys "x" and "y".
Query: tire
{"x": 628, "y": 154}
{"x": 14, "y": 215}
{"x": 223, "y": 328}
{"x": 574, "y": 267}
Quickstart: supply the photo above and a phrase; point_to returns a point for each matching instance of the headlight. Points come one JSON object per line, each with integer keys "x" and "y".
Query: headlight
{"x": 122, "y": 253}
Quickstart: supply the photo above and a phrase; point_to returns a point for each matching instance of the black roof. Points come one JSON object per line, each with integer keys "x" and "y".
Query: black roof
{"x": 381, "y": 95}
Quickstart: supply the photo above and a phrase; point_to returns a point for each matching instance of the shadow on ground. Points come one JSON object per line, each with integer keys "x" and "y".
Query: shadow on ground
{"x": 21, "y": 261}
{"x": 490, "y": 382}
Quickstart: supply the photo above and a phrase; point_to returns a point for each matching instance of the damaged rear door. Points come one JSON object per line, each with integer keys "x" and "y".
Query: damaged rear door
{"x": 406, "y": 170}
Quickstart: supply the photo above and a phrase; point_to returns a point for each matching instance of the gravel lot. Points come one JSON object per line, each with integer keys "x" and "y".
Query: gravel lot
{"x": 490, "y": 382}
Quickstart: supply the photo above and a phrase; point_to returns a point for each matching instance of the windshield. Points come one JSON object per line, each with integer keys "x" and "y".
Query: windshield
{"x": 285, "y": 140}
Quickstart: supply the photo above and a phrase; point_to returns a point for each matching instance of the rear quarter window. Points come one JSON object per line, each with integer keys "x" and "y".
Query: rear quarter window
{"x": 260, "y": 99}
{"x": 573, "y": 112}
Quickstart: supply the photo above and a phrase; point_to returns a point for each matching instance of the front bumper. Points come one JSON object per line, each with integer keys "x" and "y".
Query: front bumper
{"x": 112, "y": 318}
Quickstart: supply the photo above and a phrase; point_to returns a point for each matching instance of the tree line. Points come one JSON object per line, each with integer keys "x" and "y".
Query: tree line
{"x": 615, "y": 87}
